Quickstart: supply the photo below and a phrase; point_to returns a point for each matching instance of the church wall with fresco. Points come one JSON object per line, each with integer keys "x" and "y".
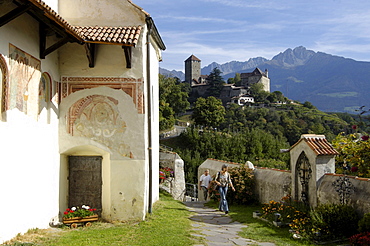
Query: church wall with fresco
{"x": 28, "y": 127}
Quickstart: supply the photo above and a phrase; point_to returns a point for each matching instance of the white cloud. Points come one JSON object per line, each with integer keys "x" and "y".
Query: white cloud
{"x": 198, "y": 19}
{"x": 250, "y": 4}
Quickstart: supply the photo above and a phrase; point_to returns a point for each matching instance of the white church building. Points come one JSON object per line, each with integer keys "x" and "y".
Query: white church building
{"x": 79, "y": 111}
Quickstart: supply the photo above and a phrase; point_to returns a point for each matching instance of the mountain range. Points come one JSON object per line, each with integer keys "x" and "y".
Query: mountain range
{"x": 331, "y": 83}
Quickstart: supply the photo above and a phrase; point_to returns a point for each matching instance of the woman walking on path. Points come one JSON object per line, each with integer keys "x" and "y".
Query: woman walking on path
{"x": 223, "y": 180}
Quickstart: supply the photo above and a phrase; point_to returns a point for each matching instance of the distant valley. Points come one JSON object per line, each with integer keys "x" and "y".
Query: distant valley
{"x": 331, "y": 83}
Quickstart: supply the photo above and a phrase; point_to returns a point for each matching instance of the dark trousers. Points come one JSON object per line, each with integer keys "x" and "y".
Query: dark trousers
{"x": 205, "y": 192}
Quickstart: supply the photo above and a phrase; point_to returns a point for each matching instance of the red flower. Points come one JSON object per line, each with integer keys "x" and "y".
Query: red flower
{"x": 65, "y": 212}
{"x": 354, "y": 127}
{"x": 354, "y": 169}
{"x": 365, "y": 138}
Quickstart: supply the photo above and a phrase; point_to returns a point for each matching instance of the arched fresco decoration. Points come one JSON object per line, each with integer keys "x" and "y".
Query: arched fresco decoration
{"x": 24, "y": 78}
{"x": 44, "y": 91}
{"x": 303, "y": 173}
{"x": 96, "y": 117}
{"x": 3, "y": 86}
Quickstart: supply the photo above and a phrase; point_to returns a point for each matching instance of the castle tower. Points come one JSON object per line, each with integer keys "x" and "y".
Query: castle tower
{"x": 192, "y": 69}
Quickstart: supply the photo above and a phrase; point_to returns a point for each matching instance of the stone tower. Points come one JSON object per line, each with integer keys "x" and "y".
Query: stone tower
{"x": 192, "y": 69}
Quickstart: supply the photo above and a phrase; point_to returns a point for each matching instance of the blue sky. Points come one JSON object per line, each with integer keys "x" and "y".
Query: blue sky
{"x": 236, "y": 30}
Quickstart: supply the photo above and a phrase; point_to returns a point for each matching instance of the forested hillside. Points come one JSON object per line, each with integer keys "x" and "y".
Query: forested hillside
{"x": 234, "y": 133}
{"x": 256, "y": 135}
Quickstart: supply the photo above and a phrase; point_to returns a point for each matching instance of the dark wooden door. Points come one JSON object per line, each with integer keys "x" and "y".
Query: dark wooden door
{"x": 85, "y": 181}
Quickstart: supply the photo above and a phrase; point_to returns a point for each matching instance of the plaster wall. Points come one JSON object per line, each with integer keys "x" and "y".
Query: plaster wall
{"x": 155, "y": 57}
{"x": 110, "y": 61}
{"x": 271, "y": 184}
{"x": 29, "y": 175}
{"x": 266, "y": 83}
{"x": 124, "y": 191}
{"x": 127, "y": 192}
{"x": 359, "y": 199}
{"x": 102, "y": 12}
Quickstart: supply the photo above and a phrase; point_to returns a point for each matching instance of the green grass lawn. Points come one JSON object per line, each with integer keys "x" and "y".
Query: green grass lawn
{"x": 167, "y": 225}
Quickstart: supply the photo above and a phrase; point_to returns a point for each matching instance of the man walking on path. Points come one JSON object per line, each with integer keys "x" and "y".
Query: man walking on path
{"x": 204, "y": 181}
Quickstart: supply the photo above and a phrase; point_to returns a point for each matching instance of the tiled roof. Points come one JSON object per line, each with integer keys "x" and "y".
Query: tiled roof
{"x": 51, "y": 14}
{"x": 318, "y": 144}
{"x": 193, "y": 58}
{"x": 121, "y": 35}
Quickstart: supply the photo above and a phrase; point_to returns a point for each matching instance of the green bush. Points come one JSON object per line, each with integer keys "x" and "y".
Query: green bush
{"x": 243, "y": 181}
{"x": 334, "y": 221}
{"x": 364, "y": 223}
{"x": 327, "y": 222}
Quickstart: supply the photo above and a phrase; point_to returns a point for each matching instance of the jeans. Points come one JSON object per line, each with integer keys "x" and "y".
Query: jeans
{"x": 223, "y": 202}
{"x": 205, "y": 192}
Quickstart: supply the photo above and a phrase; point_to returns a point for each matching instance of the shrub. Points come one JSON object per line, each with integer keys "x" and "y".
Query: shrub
{"x": 362, "y": 239}
{"x": 364, "y": 223}
{"x": 334, "y": 221}
{"x": 243, "y": 181}
{"x": 327, "y": 222}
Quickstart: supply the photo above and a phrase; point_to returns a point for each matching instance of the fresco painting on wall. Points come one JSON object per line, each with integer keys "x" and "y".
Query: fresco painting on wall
{"x": 44, "y": 91}
{"x": 24, "y": 77}
{"x": 96, "y": 117}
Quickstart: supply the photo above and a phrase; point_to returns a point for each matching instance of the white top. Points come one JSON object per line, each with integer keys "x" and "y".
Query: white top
{"x": 205, "y": 180}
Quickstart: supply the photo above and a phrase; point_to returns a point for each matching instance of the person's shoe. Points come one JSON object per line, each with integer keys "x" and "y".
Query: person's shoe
{"x": 221, "y": 210}
{"x": 226, "y": 212}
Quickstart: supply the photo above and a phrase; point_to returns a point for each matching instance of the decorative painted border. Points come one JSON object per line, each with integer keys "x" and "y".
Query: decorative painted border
{"x": 5, "y": 85}
{"x": 133, "y": 87}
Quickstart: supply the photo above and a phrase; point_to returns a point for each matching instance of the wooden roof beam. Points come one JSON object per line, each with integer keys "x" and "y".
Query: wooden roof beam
{"x": 128, "y": 55}
{"x": 14, "y": 14}
{"x": 90, "y": 49}
{"x": 46, "y": 51}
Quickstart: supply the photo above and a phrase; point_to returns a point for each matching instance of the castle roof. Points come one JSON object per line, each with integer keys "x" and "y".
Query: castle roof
{"x": 256, "y": 72}
{"x": 192, "y": 58}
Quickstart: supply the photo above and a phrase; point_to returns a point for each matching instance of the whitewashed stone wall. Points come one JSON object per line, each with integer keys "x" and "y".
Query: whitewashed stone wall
{"x": 272, "y": 184}
{"x": 175, "y": 186}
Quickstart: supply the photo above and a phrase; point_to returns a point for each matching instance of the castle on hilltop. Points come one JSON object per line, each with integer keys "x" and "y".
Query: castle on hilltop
{"x": 230, "y": 93}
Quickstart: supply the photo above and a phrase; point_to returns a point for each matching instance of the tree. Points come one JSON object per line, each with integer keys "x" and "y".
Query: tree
{"x": 208, "y": 112}
{"x": 236, "y": 80}
{"x": 309, "y": 105}
{"x": 173, "y": 92}
{"x": 173, "y": 99}
{"x": 216, "y": 81}
{"x": 256, "y": 90}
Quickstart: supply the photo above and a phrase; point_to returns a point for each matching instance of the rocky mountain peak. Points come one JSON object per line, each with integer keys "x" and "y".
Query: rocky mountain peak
{"x": 291, "y": 58}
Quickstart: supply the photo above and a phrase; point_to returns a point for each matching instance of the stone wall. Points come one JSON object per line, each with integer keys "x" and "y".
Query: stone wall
{"x": 175, "y": 186}
{"x": 272, "y": 184}
{"x": 359, "y": 199}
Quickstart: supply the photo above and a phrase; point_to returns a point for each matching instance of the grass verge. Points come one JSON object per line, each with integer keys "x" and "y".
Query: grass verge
{"x": 259, "y": 230}
{"x": 167, "y": 225}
